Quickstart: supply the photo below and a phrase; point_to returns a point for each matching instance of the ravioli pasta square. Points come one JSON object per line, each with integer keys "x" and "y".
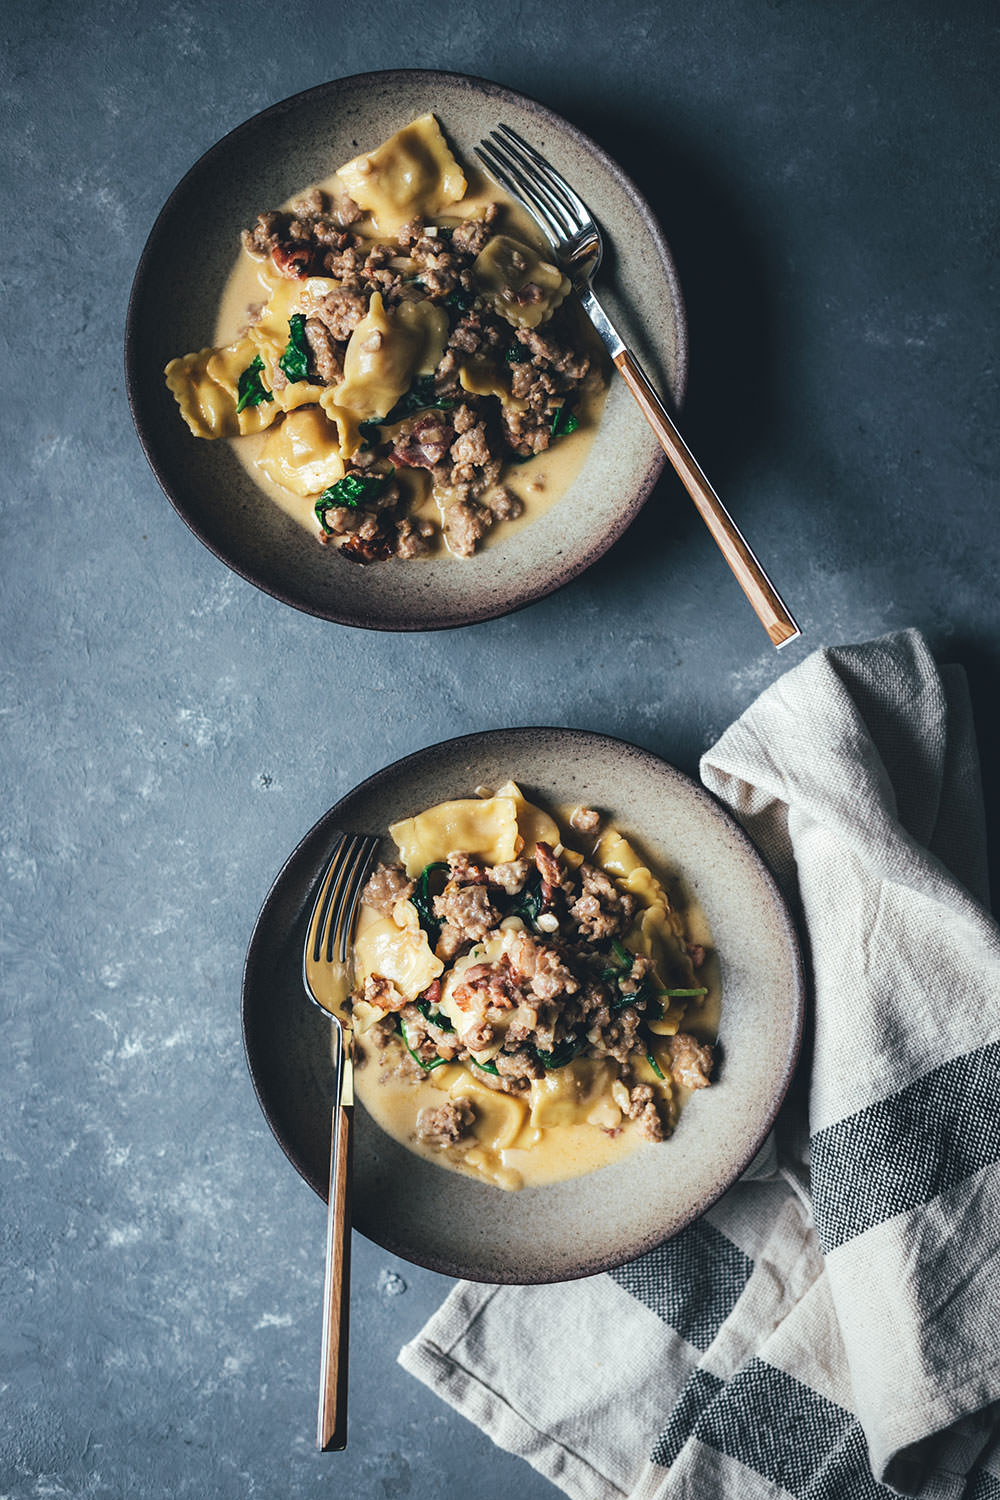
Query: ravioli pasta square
{"x": 451, "y": 383}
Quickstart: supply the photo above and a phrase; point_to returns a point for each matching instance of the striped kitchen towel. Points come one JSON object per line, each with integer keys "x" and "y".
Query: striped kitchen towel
{"x": 830, "y": 1330}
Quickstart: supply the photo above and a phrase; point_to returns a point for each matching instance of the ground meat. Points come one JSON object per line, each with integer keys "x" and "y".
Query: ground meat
{"x": 641, "y": 1107}
{"x": 601, "y": 911}
{"x": 509, "y": 877}
{"x": 638, "y": 1098}
{"x": 345, "y": 263}
{"x": 470, "y": 450}
{"x": 445, "y": 1124}
{"x": 344, "y": 211}
{"x": 620, "y": 1037}
{"x": 527, "y": 432}
{"x": 468, "y": 908}
{"x": 519, "y": 1064}
{"x": 327, "y": 360}
{"x": 465, "y": 525}
{"x": 585, "y": 820}
{"x": 426, "y": 1038}
{"x": 550, "y": 353}
{"x": 472, "y": 234}
{"x": 690, "y": 1061}
{"x": 552, "y": 978}
{"x": 310, "y": 205}
{"x": 451, "y": 942}
{"x": 505, "y": 505}
{"x": 413, "y": 538}
{"x": 650, "y": 1123}
{"x": 368, "y": 545}
{"x": 387, "y": 885}
{"x": 342, "y": 310}
{"x": 262, "y": 238}
{"x": 342, "y": 520}
{"x": 465, "y": 871}
{"x": 383, "y": 993}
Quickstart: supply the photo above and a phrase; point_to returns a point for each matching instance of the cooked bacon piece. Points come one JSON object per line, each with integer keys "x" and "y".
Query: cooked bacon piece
{"x": 485, "y": 985}
{"x": 293, "y": 260}
{"x": 547, "y": 864}
{"x": 368, "y": 549}
{"x": 423, "y": 444}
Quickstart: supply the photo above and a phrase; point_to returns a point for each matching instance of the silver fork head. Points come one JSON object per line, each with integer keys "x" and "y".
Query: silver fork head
{"x": 559, "y": 211}
{"x": 331, "y": 921}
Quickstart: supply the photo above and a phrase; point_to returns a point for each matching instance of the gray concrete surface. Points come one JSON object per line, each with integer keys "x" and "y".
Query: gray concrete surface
{"x": 826, "y": 176}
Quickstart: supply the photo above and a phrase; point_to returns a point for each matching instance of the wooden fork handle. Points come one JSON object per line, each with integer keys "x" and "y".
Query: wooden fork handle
{"x": 763, "y": 596}
{"x": 331, "y": 1430}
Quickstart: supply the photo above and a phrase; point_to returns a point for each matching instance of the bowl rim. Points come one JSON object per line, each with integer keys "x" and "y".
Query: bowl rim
{"x": 592, "y": 1264}
{"x": 136, "y": 373}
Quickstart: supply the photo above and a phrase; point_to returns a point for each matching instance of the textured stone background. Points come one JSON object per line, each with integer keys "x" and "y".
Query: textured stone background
{"x": 826, "y": 177}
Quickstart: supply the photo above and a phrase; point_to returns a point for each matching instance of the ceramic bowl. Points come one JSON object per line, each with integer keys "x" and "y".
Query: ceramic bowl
{"x": 193, "y": 247}
{"x": 454, "y": 1224}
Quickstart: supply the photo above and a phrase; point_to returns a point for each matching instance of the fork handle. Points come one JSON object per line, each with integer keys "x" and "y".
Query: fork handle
{"x": 331, "y": 1429}
{"x": 763, "y": 596}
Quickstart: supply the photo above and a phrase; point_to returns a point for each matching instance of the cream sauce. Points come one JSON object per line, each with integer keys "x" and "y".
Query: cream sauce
{"x": 538, "y": 482}
{"x": 508, "y": 1150}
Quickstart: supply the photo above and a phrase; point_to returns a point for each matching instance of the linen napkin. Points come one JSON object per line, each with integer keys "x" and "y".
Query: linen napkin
{"x": 830, "y": 1330}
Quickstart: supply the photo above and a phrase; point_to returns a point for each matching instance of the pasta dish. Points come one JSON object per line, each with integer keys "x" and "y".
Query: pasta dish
{"x": 526, "y": 1007}
{"x": 407, "y": 360}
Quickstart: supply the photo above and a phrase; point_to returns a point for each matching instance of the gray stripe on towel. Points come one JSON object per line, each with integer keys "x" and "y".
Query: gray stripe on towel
{"x": 790, "y": 1434}
{"x": 905, "y": 1150}
{"x": 692, "y": 1282}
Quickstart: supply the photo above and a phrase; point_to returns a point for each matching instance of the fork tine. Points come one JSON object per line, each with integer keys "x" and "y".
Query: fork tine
{"x": 556, "y": 180}
{"x": 534, "y": 188}
{"x": 360, "y": 856}
{"x": 514, "y": 181}
{"x": 534, "y": 178}
{"x": 337, "y": 897}
{"x": 324, "y": 898}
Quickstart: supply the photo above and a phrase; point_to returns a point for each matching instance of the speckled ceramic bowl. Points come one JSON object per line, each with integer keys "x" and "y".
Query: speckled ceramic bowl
{"x": 192, "y": 249}
{"x": 452, "y": 1223}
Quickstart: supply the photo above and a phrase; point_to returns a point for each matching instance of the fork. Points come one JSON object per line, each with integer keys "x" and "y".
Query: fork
{"x": 576, "y": 240}
{"x": 325, "y": 975}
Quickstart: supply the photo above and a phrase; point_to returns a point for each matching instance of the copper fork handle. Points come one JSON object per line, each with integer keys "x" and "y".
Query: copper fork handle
{"x": 331, "y": 1430}
{"x": 763, "y": 596}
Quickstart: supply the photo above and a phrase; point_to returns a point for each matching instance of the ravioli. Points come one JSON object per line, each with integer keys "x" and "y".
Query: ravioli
{"x": 518, "y": 283}
{"x": 385, "y": 352}
{"x": 411, "y": 173}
